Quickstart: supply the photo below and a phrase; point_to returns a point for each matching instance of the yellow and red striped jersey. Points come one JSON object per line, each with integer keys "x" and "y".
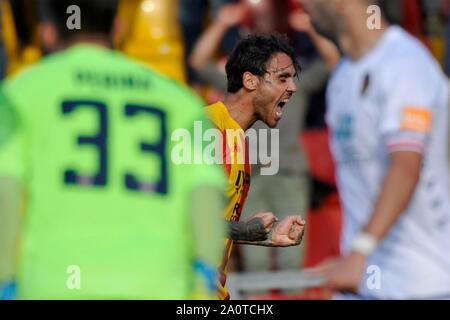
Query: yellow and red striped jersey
{"x": 237, "y": 165}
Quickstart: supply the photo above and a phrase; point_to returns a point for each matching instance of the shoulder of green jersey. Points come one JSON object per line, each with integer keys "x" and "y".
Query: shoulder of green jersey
{"x": 174, "y": 86}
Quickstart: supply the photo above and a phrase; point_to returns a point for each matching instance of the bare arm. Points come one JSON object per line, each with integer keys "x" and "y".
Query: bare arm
{"x": 286, "y": 233}
{"x": 301, "y": 22}
{"x": 208, "y": 43}
{"x": 396, "y": 193}
{"x": 251, "y": 231}
{"x": 327, "y": 50}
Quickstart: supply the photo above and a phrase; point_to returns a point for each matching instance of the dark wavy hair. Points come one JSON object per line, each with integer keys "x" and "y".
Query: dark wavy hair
{"x": 252, "y": 54}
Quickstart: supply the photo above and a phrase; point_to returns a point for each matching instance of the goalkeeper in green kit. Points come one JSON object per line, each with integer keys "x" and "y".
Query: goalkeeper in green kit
{"x": 91, "y": 205}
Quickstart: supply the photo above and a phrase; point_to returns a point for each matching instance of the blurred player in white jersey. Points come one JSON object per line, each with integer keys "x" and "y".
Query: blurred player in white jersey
{"x": 388, "y": 112}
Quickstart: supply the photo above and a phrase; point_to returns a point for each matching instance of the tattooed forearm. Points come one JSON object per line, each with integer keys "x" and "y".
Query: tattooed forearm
{"x": 252, "y": 230}
{"x": 263, "y": 242}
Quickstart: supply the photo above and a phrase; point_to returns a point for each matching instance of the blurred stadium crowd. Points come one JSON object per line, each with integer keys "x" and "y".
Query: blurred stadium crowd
{"x": 189, "y": 40}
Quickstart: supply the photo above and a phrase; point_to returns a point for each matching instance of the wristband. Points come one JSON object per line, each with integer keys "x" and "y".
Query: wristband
{"x": 364, "y": 243}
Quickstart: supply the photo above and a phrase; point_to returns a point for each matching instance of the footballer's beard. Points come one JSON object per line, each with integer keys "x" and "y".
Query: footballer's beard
{"x": 278, "y": 110}
{"x": 275, "y": 111}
